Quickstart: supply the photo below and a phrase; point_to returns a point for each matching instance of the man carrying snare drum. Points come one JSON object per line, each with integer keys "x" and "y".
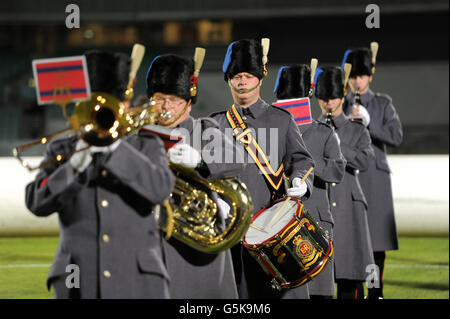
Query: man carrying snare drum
{"x": 270, "y": 137}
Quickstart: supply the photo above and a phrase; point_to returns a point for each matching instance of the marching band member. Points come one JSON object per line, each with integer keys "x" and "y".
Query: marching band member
{"x": 104, "y": 196}
{"x": 385, "y": 130}
{"x": 294, "y": 82}
{"x": 353, "y": 248}
{"x": 172, "y": 86}
{"x": 244, "y": 69}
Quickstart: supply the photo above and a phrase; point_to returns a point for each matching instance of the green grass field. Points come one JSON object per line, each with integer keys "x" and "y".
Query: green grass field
{"x": 419, "y": 270}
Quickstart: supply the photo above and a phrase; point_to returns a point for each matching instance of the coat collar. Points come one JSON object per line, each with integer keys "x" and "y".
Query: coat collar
{"x": 365, "y": 98}
{"x": 255, "y": 110}
{"x": 187, "y": 124}
{"x": 338, "y": 121}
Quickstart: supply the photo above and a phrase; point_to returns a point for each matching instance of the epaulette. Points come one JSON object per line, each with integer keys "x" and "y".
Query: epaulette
{"x": 218, "y": 113}
{"x": 208, "y": 121}
{"x": 383, "y": 96}
{"x": 357, "y": 122}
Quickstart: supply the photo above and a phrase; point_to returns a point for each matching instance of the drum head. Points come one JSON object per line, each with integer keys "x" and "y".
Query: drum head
{"x": 262, "y": 230}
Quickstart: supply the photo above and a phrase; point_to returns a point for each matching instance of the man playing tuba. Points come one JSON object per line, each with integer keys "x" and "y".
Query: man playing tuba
{"x": 172, "y": 89}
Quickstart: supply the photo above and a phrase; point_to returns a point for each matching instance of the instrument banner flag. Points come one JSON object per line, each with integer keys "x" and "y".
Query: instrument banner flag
{"x": 61, "y": 80}
{"x": 299, "y": 108}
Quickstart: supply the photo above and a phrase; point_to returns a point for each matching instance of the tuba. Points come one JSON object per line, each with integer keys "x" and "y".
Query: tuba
{"x": 194, "y": 217}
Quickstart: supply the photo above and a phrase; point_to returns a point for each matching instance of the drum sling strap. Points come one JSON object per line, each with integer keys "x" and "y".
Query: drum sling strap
{"x": 243, "y": 134}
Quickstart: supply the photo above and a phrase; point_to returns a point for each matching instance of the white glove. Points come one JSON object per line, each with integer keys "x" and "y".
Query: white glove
{"x": 81, "y": 160}
{"x": 298, "y": 189}
{"x": 224, "y": 208}
{"x": 104, "y": 149}
{"x": 364, "y": 115}
{"x": 184, "y": 154}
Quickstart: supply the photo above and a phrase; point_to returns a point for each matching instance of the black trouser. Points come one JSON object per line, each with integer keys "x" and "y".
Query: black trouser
{"x": 350, "y": 289}
{"x": 380, "y": 257}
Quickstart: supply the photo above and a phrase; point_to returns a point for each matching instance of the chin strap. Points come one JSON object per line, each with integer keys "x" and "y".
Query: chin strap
{"x": 242, "y": 91}
{"x": 178, "y": 116}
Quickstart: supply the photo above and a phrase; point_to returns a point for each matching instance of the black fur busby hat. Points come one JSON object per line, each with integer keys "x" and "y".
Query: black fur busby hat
{"x": 244, "y": 56}
{"x": 329, "y": 83}
{"x": 361, "y": 61}
{"x": 171, "y": 74}
{"x": 108, "y": 72}
{"x": 293, "y": 82}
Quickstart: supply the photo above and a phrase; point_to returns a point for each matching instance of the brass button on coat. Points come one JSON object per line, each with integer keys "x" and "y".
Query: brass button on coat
{"x": 107, "y": 274}
{"x": 105, "y": 238}
{"x": 104, "y": 203}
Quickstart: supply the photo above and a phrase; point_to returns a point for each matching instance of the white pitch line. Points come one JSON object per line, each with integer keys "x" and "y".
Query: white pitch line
{"x": 26, "y": 266}
{"x": 418, "y": 266}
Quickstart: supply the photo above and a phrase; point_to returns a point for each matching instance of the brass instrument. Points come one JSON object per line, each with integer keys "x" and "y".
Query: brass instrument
{"x": 196, "y": 214}
{"x": 192, "y": 213}
{"x": 100, "y": 121}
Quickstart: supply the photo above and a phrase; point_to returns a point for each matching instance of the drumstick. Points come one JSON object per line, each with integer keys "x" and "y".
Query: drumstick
{"x": 255, "y": 227}
{"x": 279, "y": 210}
{"x": 288, "y": 198}
{"x": 306, "y": 175}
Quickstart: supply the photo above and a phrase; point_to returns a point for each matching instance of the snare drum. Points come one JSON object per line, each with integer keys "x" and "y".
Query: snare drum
{"x": 291, "y": 247}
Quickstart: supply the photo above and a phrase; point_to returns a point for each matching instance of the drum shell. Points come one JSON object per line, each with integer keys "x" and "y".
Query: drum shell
{"x": 297, "y": 253}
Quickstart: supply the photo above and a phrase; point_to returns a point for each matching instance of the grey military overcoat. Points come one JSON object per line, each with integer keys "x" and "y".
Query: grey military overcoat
{"x": 194, "y": 274}
{"x": 322, "y": 143}
{"x": 352, "y": 243}
{"x": 385, "y": 130}
{"x": 106, "y": 226}
{"x": 278, "y": 135}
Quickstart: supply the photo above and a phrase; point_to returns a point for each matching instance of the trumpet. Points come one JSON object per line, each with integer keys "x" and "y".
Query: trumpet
{"x": 100, "y": 121}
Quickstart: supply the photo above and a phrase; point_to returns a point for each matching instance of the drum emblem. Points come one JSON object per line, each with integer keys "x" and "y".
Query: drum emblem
{"x": 303, "y": 247}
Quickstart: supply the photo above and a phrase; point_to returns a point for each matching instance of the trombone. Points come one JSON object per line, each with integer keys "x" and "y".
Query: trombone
{"x": 100, "y": 121}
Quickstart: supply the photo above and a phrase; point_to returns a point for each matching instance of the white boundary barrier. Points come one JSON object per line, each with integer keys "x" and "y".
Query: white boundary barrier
{"x": 420, "y": 186}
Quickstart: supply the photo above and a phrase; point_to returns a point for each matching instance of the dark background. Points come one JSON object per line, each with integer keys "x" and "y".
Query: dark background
{"x": 412, "y": 61}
